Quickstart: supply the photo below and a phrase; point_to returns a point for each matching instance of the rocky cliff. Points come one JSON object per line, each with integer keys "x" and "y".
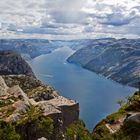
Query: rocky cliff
{"x": 40, "y": 112}
{"x": 30, "y": 110}
{"x": 13, "y": 63}
{"x": 123, "y": 124}
{"x": 118, "y": 60}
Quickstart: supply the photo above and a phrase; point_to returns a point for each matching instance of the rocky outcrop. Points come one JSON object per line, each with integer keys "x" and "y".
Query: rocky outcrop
{"x": 30, "y": 110}
{"x": 3, "y": 87}
{"x": 123, "y": 124}
{"x": 42, "y": 138}
{"x": 13, "y": 63}
{"x": 69, "y": 108}
{"x": 118, "y": 60}
{"x": 27, "y": 114}
{"x": 134, "y": 117}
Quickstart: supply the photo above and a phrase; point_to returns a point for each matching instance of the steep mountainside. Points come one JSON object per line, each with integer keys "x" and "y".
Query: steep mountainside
{"x": 30, "y": 110}
{"x": 35, "y": 110}
{"x": 123, "y": 124}
{"x": 31, "y": 48}
{"x": 118, "y": 60}
{"x": 13, "y": 63}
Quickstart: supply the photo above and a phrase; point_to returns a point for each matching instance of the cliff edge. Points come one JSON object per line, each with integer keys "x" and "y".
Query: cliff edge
{"x": 117, "y": 60}
{"x": 123, "y": 124}
{"x": 30, "y": 110}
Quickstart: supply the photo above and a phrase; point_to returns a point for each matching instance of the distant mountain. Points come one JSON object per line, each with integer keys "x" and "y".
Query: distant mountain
{"x": 31, "y": 48}
{"x": 12, "y": 63}
{"x": 118, "y": 60}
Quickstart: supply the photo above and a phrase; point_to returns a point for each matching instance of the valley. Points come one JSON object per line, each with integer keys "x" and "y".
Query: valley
{"x": 96, "y": 95}
{"x": 118, "y": 60}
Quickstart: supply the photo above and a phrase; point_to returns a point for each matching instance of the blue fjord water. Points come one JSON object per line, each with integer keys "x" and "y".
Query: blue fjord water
{"x": 97, "y": 95}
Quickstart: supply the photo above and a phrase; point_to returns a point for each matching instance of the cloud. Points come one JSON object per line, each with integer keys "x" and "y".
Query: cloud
{"x": 117, "y": 19}
{"x": 76, "y": 18}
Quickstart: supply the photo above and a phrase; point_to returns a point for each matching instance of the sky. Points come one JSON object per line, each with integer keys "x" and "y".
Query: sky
{"x": 69, "y": 19}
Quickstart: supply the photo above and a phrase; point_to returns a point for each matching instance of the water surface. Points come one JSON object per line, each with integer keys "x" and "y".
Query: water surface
{"x": 97, "y": 95}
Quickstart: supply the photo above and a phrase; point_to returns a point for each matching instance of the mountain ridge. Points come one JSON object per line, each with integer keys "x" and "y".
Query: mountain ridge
{"x": 115, "y": 59}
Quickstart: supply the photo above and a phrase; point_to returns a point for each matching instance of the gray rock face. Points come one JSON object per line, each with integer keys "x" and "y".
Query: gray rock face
{"x": 25, "y": 101}
{"x": 42, "y": 138}
{"x": 134, "y": 118}
{"x": 18, "y": 93}
{"x": 118, "y": 60}
{"x": 13, "y": 63}
{"x": 21, "y": 109}
{"x": 69, "y": 109}
{"x": 3, "y": 87}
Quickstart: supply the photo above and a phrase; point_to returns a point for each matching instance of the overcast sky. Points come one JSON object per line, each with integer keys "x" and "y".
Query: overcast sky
{"x": 70, "y": 19}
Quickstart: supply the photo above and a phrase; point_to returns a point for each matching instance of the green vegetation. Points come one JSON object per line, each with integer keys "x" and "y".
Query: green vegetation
{"x": 120, "y": 136}
{"x": 33, "y": 122}
{"x": 115, "y": 116}
{"x": 77, "y": 131}
{"x": 37, "y": 90}
{"x": 6, "y": 111}
{"x": 8, "y": 101}
{"x": 7, "y": 132}
{"x": 129, "y": 130}
{"x": 46, "y": 125}
{"x": 121, "y": 102}
{"x": 26, "y": 83}
{"x": 101, "y": 132}
{"x": 131, "y": 104}
{"x": 31, "y": 115}
{"x": 5, "y": 102}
